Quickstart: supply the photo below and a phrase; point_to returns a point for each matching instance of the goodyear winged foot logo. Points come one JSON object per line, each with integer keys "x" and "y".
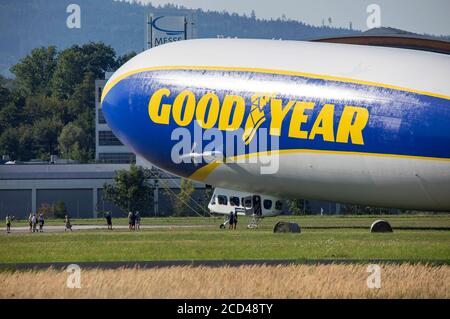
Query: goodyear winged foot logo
{"x": 256, "y": 116}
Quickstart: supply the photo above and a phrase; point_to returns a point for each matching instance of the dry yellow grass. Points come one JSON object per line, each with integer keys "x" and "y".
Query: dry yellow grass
{"x": 296, "y": 281}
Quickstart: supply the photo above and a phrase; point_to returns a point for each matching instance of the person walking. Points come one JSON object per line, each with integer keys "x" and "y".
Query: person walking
{"x": 231, "y": 220}
{"x": 34, "y": 223}
{"x": 133, "y": 220}
{"x": 41, "y": 223}
{"x": 8, "y": 224}
{"x": 29, "y": 221}
{"x": 137, "y": 221}
{"x": 130, "y": 220}
{"x": 235, "y": 219}
{"x": 67, "y": 223}
{"x": 109, "y": 220}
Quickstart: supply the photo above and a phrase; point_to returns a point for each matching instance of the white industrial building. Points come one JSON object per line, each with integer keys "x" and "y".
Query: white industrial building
{"x": 108, "y": 148}
{"x": 25, "y": 187}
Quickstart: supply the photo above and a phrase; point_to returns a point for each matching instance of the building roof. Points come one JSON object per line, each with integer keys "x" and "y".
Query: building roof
{"x": 60, "y": 171}
{"x": 391, "y": 37}
{"x": 67, "y": 171}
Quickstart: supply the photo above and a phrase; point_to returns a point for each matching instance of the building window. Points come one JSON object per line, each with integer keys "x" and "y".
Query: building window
{"x": 108, "y": 138}
{"x": 117, "y": 158}
{"x": 101, "y": 117}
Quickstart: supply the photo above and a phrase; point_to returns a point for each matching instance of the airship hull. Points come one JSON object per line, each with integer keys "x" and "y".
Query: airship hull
{"x": 310, "y": 120}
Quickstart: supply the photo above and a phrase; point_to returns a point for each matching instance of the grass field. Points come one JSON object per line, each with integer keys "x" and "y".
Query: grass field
{"x": 299, "y": 281}
{"x": 208, "y": 242}
{"x": 418, "y": 238}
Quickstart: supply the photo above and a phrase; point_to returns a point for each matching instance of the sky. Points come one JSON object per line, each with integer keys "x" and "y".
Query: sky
{"x": 420, "y": 16}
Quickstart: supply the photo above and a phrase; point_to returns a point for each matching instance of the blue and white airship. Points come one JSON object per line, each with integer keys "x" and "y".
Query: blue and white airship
{"x": 290, "y": 119}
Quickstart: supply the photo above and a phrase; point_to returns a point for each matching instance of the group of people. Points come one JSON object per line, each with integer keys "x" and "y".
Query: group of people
{"x": 34, "y": 221}
{"x": 233, "y": 220}
{"x": 134, "y": 221}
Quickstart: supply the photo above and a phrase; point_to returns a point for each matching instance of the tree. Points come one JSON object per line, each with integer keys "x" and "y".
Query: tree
{"x": 83, "y": 97}
{"x": 26, "y": 140}
{"x": 99, "y": 58}
{"x": 59, "y": 209}
{"x": 82, "y": 108}
{"x": 68, "y": 73}
{"x": 10, "y": 116}
{"x": 180, "y": 201}
{"x": 130, "y": 191}
{"x": 184, "y": 196}
{"x": 38, "y": 107}
{"x": 206, "y": 198}
{"x": 9, "y": 143}
{"x": 4, "y": 97}
{"x": 6, "y": 83}
{"x": 46, "y": 132}
{"x": 46, "y": 209}
{"x": 35, "y": 71}
{"x": 56, "y": 210}
{"x": 75, "y": 62}
{"x": 50, "y": 91}
{"x": 69, "y": 142}
{"x": 296, "y": 206}
{"x": 121, "y": 60}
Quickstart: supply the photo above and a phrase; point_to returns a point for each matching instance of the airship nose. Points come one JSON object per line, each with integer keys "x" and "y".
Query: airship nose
{"x": 125, "y": 104}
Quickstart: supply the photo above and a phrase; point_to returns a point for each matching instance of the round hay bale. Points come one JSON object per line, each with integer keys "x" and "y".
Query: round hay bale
{"x": 286, "y": 227}
{"x": 381, "y": 226}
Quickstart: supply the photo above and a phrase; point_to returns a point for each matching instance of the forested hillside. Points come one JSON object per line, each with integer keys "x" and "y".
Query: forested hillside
{"x": 27, "y": 24}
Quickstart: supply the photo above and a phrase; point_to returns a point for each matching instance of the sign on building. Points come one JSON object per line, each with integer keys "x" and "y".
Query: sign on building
{"x": 169, "y": 28}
